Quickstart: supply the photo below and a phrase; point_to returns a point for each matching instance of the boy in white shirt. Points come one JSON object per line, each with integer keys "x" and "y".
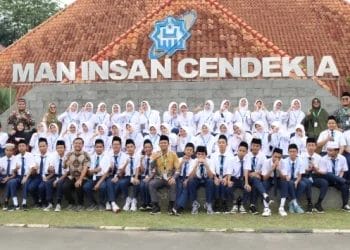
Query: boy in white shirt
{"x": 3, "y": 139}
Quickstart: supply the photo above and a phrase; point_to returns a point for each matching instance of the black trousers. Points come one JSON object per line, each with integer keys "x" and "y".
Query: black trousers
{"x": 69, "y": 189}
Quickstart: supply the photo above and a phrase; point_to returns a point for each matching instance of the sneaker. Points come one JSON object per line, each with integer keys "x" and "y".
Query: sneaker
{"x": 195, "y": 207}
{"x": 108, "y": 206}
{"x": 58, "y": 208}
{"x": 209, "y": 208}
{"x": 90, "y": 208}
{"x": 70, "y": 207}
{"x": 298, "y": 209}
{"x": 267, "y": 212}
{"x": 79, "y": 208}
{"x": 291, "y": 208}
{"x": 155, "y": 209}
{"x": 115, "y": 208}
{"x": 48, "y": 208}
{"x": 346, "y": 208}
{"x": 282, "y": 212}
{"x": 127, "y": 204}
{"x": 133, "y": 207}
{"x": 253, "y": 210}
{"x": 25, "y": 207}
{"x": 224, "y": 208}
{"x": 174, "y": 212}
{"x": 234, "y": 209}
{"x": 242, "y": 210}
{"x": 5, "y": 207}
{"x": 142, "y": 207}
{"x": 268, "y": 200}
{"x": 318, "y": 208}
{"x": 170, "y": 207}
{"x": 309, "y": 208}
{"x": 149, "y": 207}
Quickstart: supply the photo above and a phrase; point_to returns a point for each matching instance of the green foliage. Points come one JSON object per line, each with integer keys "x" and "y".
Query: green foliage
{"x": 348, "y": 80}
{"x": 7, "y": 98}
{"x": 17, "y": 17}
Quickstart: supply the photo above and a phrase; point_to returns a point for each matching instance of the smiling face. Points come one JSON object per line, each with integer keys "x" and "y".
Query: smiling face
{"x": 129, "y": 107}
{"x": 103, "y": 108}
{"x": 115, "y": 109}
{"x": 74, "y": 107}
{"x": 72, "y": 129}
{"x": 296, "y": 105}
{"x": 183, "y": 109}
{"x": 88, "y": 107}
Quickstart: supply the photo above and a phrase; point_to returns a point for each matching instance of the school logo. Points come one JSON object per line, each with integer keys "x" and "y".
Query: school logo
{"x": 171, "y": 34}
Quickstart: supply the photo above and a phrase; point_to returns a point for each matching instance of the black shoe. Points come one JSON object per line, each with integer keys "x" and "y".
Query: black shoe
{"x": 319, "y": 208}
{"x": 25, "y": 207}
{"x": 6, "y": 206}
{"x": 174, "y": 212}
{"x": 180, "y": 210}
{"x": 268, "y": 200}
{"x": 346, "y": 208}
{"x": 155, "y": 209}
{"x": 171, "y": 207}
{"x": 309, "y": 208}
{"x": 143, "y": 207}
{"x": 253, "y": 210}
{"x": 224, "y": 207}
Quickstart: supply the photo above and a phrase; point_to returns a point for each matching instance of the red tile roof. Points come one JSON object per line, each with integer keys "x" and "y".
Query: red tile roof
{"x": 119, "y": 29}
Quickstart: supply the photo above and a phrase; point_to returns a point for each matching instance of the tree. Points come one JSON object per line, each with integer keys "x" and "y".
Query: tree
{"x": 17, "y": 17}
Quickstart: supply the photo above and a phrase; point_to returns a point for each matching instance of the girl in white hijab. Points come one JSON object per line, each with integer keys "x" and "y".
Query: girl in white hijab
{"x": 171, "y": 116}
{"x": 101, "y": 132}
{"x": 102, "y": 116}
{"x": 165, "y": 130}
{"x": 278, "y": 115}
{"x": 130, "y": 115}
{"x": 69, "y": 135}
{"x": 223, "y": 115}
{"x": 183, "y": 138}
{"x": 242, "y": 114}
{"x": 205, "y": 116}
{"x": 86, "y": 134}
{"x": 239, "y": 135}
{"x": 153, "y": 136}
{"x": 260, "y": 114}
{"x": 299, "y": 138}
{"x": 52, "y": 137}
{"x": 260, "y": 132}
{"x": 206, "y": 139}
{"x": 186, "y": 118}
{"x": 69, "y": 116}
{"x": 278, "y": 138}
{"x": 87, "y": 114}
{"x": 136, "y": 136}
{"x": 116, "y": 116}
{"x": 295, "y": 115}
{"x": 148, "y": 116}
{"x": 41, "y": 133}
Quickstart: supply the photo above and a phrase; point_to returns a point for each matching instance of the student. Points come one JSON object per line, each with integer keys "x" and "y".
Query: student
{"x": 292, "y": 170}
{"x": 278, "y": 138}
{"x": 239, "y": 135}
{"x": 223, "y": 115}
{"x": 271, "y": 173}
{"x": 8, "y": 177}
{"x": 41, "y": 133}
{"x": 87, "y": 135}
{"x": 101, "y": 132}
{"x": 260, "y": 114}
{"x": 71, "y": 115}
{"x": 312, "y": 175}
{"x": 102, "y": 117}
{"x": 332, "y": 134}
{"x": 55, "y": 183}
{"x": 184, "y": 137}
{"x": 77, "y": 164}
{"x": 165, "y": 169}
{"x": 132, "y": 133}
{"x": 148, "y": 116}
{"x": 117, "y": 159}
{"x": 242, "y": 115}
{"x": 205, "y": 116}
{"x": 100, "y": 164}
{"x": 3, "y": 139}
{"x": 52, "y": 137}
{"x": 165, "y": 130}
{"x": 116, "y": 117}
{"x": 205, "y": 139}
{"x": 170, "y": 117}
{"x": 239, "y": 178}
{"x": 186, "y": 118}
{"x": 223, "y": 161}
{"x": 143, "y": 173}
{"x": 295, "y": 115}
{"x": 332, "y": 167}
{"x": 130, "y": 115}
{"x": 260, "y": 132}
{"x": 182, "y": 185}
{"x": 202, "y": 174}
{"x": 257, "y": 159}
{"x": 299, "y": 138}
{"x": 278, "y": 115}
{"x": 153, "y": 136}
{"x": 87, "y": 114}
{"x": 70, "y": 135}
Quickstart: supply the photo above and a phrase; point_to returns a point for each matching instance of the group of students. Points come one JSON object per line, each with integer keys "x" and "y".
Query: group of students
{"x": 132, "y": 154}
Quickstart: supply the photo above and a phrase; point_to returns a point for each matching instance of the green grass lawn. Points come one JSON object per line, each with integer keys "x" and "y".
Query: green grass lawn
{"x": 333, "y": 219}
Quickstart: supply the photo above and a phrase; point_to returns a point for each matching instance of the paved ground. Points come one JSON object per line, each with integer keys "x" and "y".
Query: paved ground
{"x": 32, "y": 238}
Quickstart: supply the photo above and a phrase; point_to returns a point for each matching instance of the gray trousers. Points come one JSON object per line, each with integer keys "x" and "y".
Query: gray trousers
{"x": 156, "y": 184}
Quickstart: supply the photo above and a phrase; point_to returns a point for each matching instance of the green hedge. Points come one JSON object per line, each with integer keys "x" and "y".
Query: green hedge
{"x": 5, "y": 100}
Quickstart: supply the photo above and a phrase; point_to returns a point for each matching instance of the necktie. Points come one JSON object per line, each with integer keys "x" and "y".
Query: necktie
{"x": 253, "y": 163}
{"x": 242, "y": 162}
{"x": 22, "y": 167}
{"x": 147, "y": 167}
{"x": 131, "y": 167}
{"x": 292, "y": 170}
{"x": 275, "y": 181}
{"x": 184, "y": 171}
{"x": 115, "y": 165}
{"x": 97, "y": 163}
{"x": 8, "y": 167}
{"x": 201, "y": 167}
{"x": 222, "y": 165}
{"x": 309, "y": 172}
{"x": 332, "y": 133}
{"x": 41, "y": 165}
{"x": 60, "y": 168}
{"x": 333, "y": 166}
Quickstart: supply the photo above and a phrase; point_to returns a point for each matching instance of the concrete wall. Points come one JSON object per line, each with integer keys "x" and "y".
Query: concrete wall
{"x": 161, "y": 93}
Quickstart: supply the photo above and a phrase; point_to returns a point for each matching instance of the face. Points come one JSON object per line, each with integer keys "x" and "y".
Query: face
{"x": 223, "y": 129}
{"x": 115, "y": 130}
{"x": 152, "y": 130}
{"x": 226, "y": 105}
{"x": 22, "y": 148}
{"x": 148, "y": 148}
{"x": 332, "y": 152}
{"x": 101, "y": 130}
{"x": 103, "y": 108}
{"x": 243, "y": 102}
{"x": 88, "y": 107}
{"x": 278, "y": 105}
{"x": 163, "y": 145}
{"x": 316, "y": 103}
{"x": 40, "y": 127}
{"x": 242, "y": 151}
{"x": 72, "y": 129}
{"x": 189, "y": 151}
{"x": 345, "y": 101}
{"x": 237, "y": 130}
{"x": 276, "y": 157}
{"x": 53, "y": 129}
{"x": 129, "y": 128}
{"x": 299, "y": 132}
{"x": 115, "y": 109}
{"x": 163, "y": 129}
{"x": 296, "y": 105}
{"x": 255, "y": 148}
{"x": 201, "y": 155}
{"x": 144, "y": 106}
{"x": 205, "y": 130}
{"x": 207, "y": 106}
{"x": 129, "y": 107}
{"x": 258, "y": 127}
{"x": 222, "y": 145}
{"x": 174, "y": 108}
{"x": 60, "y": 149}
{"x": 116, "y": 146}
{"x": 20, "y": 126}
{"x": 43, "y": 147}
{"x": 99, "y": 148}
{"x": 9, "y": 152}
{"x": 332, "y": 124}
{"x": 275, "y": 129}
{"x": 21, "y": 105}
{"x": 259, "y": 104}
{"x": 311, "y": 147}
{"x": 85, "y": 128}
{"x": 78, "y": 145}
{"x": 74, "y": 107}
{"x": 293, "y": 153}
{"x": 52, "y": 108}
{"x": 130, "y": 148}
{"x": 183, "y": 108}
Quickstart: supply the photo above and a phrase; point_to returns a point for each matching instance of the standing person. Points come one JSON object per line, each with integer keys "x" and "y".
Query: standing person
{"x": 41, "y": 133}
{"x": 278, "y": 115}
{"x": 52, "y": 136}
{"x": 165, "y": 169}
{"x": 202, "y": 174}
{"x": 223, "y": 115}
{"x": 242, "y": 114}
{"x": 77, "y": 163}
{"x": 130, "y": 115}
{"x": 116, "y": 116}
{"x": 71, "y": 115}
{"x": 171, "y": 118}
{"x": 3, "y": 139}
{"x": 86, "y": 114}
{"x": 260, "y": 114}
{"x": 186, "y": 118}
{"x": 51, "y": 116}
{"x": 22, "y": 114}
{"x": 205, "y": 116}
{"x": 342, "y": 114}
{"x": 316, "y": 120}
{"x": 148, "y": 116}
{"x": 102, "y": 117}
{"x": 295, "y": 115}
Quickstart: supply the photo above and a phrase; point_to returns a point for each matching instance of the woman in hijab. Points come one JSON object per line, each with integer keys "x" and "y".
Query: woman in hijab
{"x": 132, "y": 133}
{"x": 40, "y": 133}
{"x": 116, "y": 116}
{"x": 205, "y": 116}
{"x": 71, "y": 115}
{"x": 295, "y": 115}
{"x": 299, "y": 139}
{"x": 69, "y": 135}
{"x": 102, "y": 116}
{"x": 242, "y": 114}
{"x": 186, "y": 118}
{"x": 239, "y": 135}
{"x": 206, "y": 139}
{"x": 18, "y": 134}
{"x": 316, "y": 120}
{"x": 260, "y": 114}
{"x": 223, "y": 130}
{"x": 51, "y": 116}
{"x": 223, "y": 115}
{"x": 153, "y": 136}
{"x": 278, "y": 115}
{"x": 171, "y": 117}
{"x": 87, "y": 114}
{"x": 101, "y": 132}
{"x": 148, "y": 116}
{"x": 260, "y": 132}
{"x": 86, "y": 134}
{"x": 278, "y": 138}
{"x": 116, "y": 130}
{"x": 52, "y": 137}
{"x": 183, "y": 138}
{"x": 130, "y": 115}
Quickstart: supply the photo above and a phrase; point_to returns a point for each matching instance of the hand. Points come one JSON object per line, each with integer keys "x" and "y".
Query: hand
{"x": 156, "y": 156}
{"x": 185, "y": 183}
{"x": 230, "y": 183}
{"x": 97, "y": 170}
{"x": 78, "y": 183}
{"x": 296, "y": 184}
{"x": 24, "y": 180}
{"x": 216, "y": 181}
{"x": 54, "y": 184}
{"x": 4, "y": 180}
{"x": 135, "y": 181}
{"x": 171, "y": 181}
{"x": 247, "y": 187}
{"x": 115, "y": 179}
{"x": 96, "y": 187}
{"x": 44, "y": 179}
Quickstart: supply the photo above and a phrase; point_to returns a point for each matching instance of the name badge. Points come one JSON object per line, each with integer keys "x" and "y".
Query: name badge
{"x": 315, "y": 124}
{"x": 94, "y": 178}
{"x": 347, "y": 122}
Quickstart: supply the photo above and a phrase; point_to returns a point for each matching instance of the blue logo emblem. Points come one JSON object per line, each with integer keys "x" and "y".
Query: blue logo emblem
{"x": 171, "y": 34}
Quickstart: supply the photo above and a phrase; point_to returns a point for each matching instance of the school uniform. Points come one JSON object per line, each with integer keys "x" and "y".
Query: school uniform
{"x": 346, "y": 153}
{"x": 26, "y": 163}
{"x": 274, "y": 180}
{"x": 300, "y": 142}
{"x": 51, "y": 141}
{"x": 337, "y": 138}
{"x": 144, "y": 182}
{"x": 295, "y": 117}
{"x": 264, "y": 137}
{"x": 67, "y": 118}
{"x": 207, "y": 141}
{"x": 148, "y": 117}
{"x": 86, "y": 117}
{"x": 154, "y": 140}
{"x": 3, "y": 139}
{"x": 8, "y": 168}
{"x": 38, "y": 192}
{"x": 202, "y": 117}
{"x": 225, "y": 117}
{"x": 187, "y": 121}
{"x": 260, "y": 116}
{"x": 279, "y": 140}
{"x": 278, "y": 116}
{"x": 243, "y": 116}
{"x": 68, "y": 140}
{"x": 101, "y": 118}
{"x": 236, "y": 139}
{"x": 33, "y": 143}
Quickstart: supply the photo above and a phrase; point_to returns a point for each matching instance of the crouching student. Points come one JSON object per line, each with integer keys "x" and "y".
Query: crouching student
{"x": 333, "y": 167}
{"x": 202, "y": 174}
{"x": 8, "y": 177}
{"x": 182, "y": 191}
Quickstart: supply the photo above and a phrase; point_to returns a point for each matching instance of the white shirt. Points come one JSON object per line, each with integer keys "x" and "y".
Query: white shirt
{"x": 37, "y": 160}
{"x": 338, "y": 138}
{"x": 279, "y": 116}
{"x": 280, "y": 140}
{"x": 204, "y": 117}
{"x": 286, "y": 168}
{"x": 186, "y": 164}
{"x": 104, "y": 163}
{"x": 122, "y": 157}
{"x": 295, "y": 117}
{"x": 237, "y": 166}
{"x": 228, "y": 162}
{"x": 3, "y": 165}
{"x": 314, "y": 159}
{"x": 223, "y": 117}
{"x": 134, "y": 162}
{"x": 54, "y": 161}
{"x": 198, "y": 172}
{"x": 187, "y": 121}
{"x": 260, "y": 115}
{"x": 243, "y": 117}
{"x": 145, "y": 159}
{"x": 3, "y": 139}
{"x": 326, "y": 164}
{"x": 207, "y": 140}
{"x": 300, "y": 142}
{"x": 147, "y": 118}
{"x": 51, "y": 141}
{"x": 259, "y": 161}
{"x": 267, "y": 167}
{"x": 28, "y": 163}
